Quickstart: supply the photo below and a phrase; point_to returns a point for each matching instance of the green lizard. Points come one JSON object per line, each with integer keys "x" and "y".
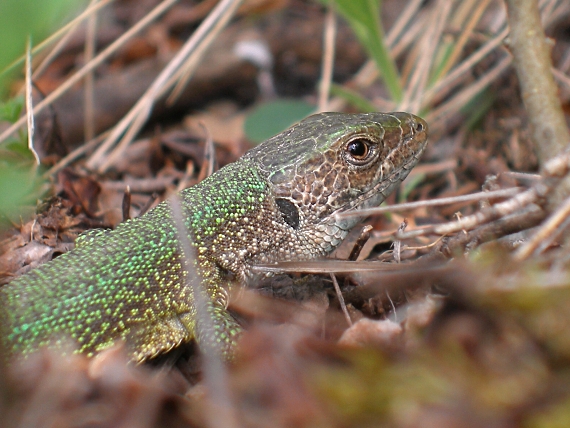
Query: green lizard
{"x": 276, "y": 203}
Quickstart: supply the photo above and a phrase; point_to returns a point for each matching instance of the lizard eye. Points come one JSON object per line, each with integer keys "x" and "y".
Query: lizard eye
{"x": 358, "y": 150}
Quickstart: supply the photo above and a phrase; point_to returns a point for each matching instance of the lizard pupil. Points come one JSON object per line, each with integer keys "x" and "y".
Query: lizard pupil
{"x": 358, "y": 149}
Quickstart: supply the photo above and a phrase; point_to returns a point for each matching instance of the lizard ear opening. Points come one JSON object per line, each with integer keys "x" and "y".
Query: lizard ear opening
{"x": 289, "y": 211}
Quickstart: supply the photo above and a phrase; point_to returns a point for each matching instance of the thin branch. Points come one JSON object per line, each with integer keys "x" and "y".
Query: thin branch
{"x": 531, "y": 52}
{"x": 484, "y": 216}
{"x": 503, "y": 193}
{"x": 424, "y": 60}
{"x": 546, "y": 229}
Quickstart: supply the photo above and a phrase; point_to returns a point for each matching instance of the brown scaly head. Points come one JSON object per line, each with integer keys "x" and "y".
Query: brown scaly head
{"x": 333, "y": 162}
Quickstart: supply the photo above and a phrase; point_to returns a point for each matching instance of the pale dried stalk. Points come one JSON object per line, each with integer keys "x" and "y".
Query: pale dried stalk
{"x": 89, "y": 53}
{"x": 424, "y": 61}
{"x": 438, "y": 115}
{"x": 75, "y": 154}
{"x": 398, "y": 38}
{"x": 562, "y": 78}
{"x": 214, "y": 369}
{"x": 29, "y": 102}
{"x": 402, "y": 22}
{"x": 449, "y": 82}
{"x": 472, "y": 20}
{"x": 103, "y": 56}
{"x": 138, "y": 114}
{"x": 341, "y": 300}
{"x": 329, "y": 37}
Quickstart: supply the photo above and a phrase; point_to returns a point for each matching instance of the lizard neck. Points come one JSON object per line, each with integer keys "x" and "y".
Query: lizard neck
{"x": 236, "y": 222}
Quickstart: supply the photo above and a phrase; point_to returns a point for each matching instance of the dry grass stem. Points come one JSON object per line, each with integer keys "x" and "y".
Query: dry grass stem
{"x": 180, "y": 78}
{"x": 341, "y": 300}
{"x": 214, "y": 369}
{"x": 327, "y": 63}
{"x": 137, "y": 116}
{"x": 422, "y": 63}
{"x": 89, "y": 53}
{"x": 397, "y": 245}
{"x": 450, "y": 82}
{"x": 437, "y": 116}
{"x": 98, "y": 60}
{"x": 30, "y": 102}
{"x": 472, "y": 18}
{"x": 220, "y": 16}
{"x": 403, "y": 22}
{"x": 562, "y": 78}
{"x": 400, "y": 36}
{"x": 75, "y": 154}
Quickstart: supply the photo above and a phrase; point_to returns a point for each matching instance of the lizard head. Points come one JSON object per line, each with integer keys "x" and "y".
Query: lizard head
{"x": 333, "y": 162}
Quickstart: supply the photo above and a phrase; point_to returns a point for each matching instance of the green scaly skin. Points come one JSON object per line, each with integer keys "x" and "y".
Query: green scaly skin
{"x": 276, "y": 203}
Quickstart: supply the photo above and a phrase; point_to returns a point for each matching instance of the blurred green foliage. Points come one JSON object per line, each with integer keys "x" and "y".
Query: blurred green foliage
{"x": 269, "y": 119}
{"x": 363, "y": 16}
{"x": 20, "y": 21}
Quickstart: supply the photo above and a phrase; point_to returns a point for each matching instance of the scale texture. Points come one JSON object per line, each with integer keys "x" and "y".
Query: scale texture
{"x": 276, "y": 203}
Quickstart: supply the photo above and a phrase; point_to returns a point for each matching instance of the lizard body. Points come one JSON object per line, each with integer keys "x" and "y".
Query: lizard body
{"x": 276, "y": 203}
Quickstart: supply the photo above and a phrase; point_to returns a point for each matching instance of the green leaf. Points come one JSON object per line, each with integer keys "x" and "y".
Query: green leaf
{"x": 10, "y": 110}
{"x": 269, "y": 119}
{"x": 364, "y": 18}
{"x": 20, "y": 182}
{"x": 353, "y": 98}
{"x": 20, "y": 19}
{"x": 20, "y": 186}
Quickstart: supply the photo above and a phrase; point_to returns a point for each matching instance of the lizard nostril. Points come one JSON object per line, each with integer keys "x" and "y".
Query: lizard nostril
{"x": 419, "y": 127}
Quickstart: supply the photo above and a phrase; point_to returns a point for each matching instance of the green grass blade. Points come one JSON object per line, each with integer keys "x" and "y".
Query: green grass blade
{"x": 364, "y": 18}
